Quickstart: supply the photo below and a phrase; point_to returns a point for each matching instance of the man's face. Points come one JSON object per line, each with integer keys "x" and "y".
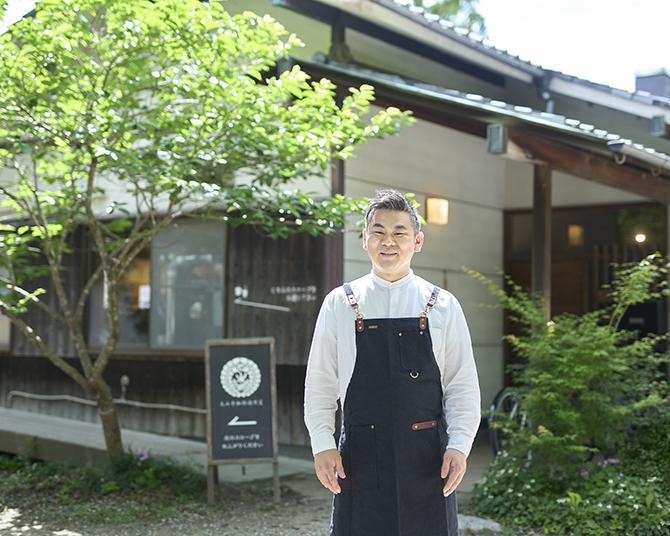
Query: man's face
{"x": 391, "y": 242}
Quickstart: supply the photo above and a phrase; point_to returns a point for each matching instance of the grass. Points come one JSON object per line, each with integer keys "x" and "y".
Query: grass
{"x": 137, "y": 487}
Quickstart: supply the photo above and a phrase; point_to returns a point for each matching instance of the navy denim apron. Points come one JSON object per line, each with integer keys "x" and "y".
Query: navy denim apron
{"x": 393, "y": 434}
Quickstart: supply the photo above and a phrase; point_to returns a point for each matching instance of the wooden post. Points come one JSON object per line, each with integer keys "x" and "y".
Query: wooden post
{"x": 212, "y": 483}
{"x": 541, "y": 249}
{"x": 257, "y": 416}
{"x": 334, "y": 244}
{"x": 276, "y": 491}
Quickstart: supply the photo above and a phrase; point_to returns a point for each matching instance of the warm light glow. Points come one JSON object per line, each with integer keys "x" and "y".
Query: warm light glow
{"x": 437, "y": 210}
{"x": 640, "y": 238}
{"x": 575, "y": 235}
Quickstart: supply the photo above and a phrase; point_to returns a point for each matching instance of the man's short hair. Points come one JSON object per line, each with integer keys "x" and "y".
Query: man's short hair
{"x": 392, "y": 200}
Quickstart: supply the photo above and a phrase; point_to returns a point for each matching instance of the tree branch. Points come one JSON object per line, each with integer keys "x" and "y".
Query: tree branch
{"x": 54, "y": 259}
{"x": 39, "y": 303}
{"x": 83, "y": 296}
{"x": 46, "y": 351}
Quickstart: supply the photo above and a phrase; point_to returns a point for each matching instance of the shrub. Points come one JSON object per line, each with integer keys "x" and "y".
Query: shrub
{"x": 647, "y": 449}
{"x": 604, "y": 500}
{"x": 589, "y": 390}
{"x": 131, "y": 472}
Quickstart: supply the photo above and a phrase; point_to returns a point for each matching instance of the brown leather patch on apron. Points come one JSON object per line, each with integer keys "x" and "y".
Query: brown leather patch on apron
{"x": 425, "y": 425}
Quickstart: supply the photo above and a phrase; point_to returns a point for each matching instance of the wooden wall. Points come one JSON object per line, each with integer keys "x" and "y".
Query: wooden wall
{"x": 52, "y": 331}
{"x": 287, "y": 273}
{"x": 166, "y": 381}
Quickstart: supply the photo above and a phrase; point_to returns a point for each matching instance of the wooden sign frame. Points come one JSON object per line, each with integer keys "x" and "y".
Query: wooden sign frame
{"x": 212, "y": 461}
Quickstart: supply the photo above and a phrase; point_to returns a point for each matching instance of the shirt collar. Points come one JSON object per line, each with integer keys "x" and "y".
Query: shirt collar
{"x": 391, "y": 284}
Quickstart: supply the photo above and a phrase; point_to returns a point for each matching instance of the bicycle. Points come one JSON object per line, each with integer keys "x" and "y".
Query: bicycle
{"x": 505, "y": 409}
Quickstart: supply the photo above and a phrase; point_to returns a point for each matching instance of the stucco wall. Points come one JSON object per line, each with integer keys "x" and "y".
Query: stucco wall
{"x": 428, "y": 159}
{"x": 567, "y": 190}
{"x": 431, "y": 160}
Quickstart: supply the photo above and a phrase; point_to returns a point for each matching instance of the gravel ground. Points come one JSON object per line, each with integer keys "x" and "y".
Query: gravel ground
{"x": 293, "y": 520}
{"x": 304, "y": 510}
{"x": 295, "y": 515}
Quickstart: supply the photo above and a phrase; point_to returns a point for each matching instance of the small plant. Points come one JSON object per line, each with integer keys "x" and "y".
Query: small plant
{"x": 604, "y": 499}
{"x": 147, "y": 484}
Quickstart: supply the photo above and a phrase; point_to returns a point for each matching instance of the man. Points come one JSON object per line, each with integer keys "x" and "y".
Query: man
{"x": 395, "y": 350}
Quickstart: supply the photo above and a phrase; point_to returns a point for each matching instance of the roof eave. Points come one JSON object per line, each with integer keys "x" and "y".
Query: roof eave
{"x": 428, "y": 32}
{"x": 608, "y": 98}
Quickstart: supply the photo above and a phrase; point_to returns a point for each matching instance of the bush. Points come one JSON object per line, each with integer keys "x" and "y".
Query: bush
{"x": 589, "y": 390}
{"x": 647, "y": 450}
{"x": 604, "y": 500}
{"x": 131, "y": 472}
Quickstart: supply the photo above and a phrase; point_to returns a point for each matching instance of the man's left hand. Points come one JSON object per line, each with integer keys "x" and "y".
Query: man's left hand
{"x": 453, "y": 466}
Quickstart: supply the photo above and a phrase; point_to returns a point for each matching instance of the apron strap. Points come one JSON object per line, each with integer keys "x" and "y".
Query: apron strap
{"x": 423, "y": 317}
{"x": 354, "y": 304}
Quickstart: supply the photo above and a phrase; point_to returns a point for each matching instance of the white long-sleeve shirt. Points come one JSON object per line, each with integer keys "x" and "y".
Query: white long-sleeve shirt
{"x": 333, "y": 354}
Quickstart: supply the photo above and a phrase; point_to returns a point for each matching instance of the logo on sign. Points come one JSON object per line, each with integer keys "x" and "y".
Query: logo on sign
{"x": 240, "y": 377}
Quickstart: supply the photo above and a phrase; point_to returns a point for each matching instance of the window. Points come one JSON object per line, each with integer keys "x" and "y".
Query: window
{"x": 134, "y": 306}
{"x": 5, "y": 325}
{"x": 4, "y": 332}
{"x": 172, "y": 294}
{"x": 188, "y": 281}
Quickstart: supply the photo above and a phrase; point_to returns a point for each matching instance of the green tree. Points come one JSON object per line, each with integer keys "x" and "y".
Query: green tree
{"x": 462, "y": 13}
{"x": 166, "y": 101}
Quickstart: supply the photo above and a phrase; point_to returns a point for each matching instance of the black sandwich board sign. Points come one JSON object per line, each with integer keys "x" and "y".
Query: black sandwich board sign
{"x": 241, "y": 405}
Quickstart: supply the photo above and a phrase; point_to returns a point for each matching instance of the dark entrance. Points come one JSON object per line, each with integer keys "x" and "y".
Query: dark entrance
{"x": 586, "y": 242}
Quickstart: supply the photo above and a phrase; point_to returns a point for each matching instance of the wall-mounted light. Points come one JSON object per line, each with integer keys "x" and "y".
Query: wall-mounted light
{"x": 496, "y": 138}
{"x": 575, "y": 235}
{"x": 640, "y": 238}
{"x": 437, "y": 210}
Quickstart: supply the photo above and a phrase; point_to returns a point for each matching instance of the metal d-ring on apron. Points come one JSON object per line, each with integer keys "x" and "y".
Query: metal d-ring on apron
{"x": 393, "y": 436}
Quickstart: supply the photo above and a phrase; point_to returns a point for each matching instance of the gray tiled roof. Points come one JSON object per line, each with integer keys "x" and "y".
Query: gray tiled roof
{"x": 477, "y": 42}
{"x": 462, "y": 35}
{"x": 501, "y": 109}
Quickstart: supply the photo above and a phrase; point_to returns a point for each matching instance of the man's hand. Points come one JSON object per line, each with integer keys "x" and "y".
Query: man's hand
{"x": 453, "y": 466}
{"x": 328, "y": 465}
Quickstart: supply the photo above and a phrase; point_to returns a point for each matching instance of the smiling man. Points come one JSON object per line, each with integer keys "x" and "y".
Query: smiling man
{"x": 395, "y": 351}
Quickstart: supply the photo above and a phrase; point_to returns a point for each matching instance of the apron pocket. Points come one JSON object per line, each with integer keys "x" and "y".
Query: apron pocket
{"x": 363, "y": 457}
{"x": 416, "y": 351}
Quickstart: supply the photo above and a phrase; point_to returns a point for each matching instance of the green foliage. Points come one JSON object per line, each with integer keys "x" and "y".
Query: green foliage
{"x": 122, "y": 116}
{"x": 647, "y": 448}
{"x": 128, "y": 473}
{"x": 462, "y": 13}
{"x": 604, "y": 499}
{"x": 136, "y": 488}
{"x": 648, "y": 220}
{"x": 588, "y": 391}
{"x": 167, "y": 101}
{"x": 584, "y": 383}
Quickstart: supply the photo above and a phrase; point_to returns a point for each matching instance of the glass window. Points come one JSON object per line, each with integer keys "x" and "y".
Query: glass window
{"x": 5, "y": 325}
{"x": 188, "y": 278}
{"x": 134, "y": 306}
{"x": 4, "y": 332}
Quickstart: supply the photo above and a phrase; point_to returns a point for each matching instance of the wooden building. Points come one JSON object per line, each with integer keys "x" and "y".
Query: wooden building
{"x": 547, "y": 177}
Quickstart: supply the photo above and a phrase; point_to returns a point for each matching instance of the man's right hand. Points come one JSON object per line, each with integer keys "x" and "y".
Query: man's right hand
{"x": 328, "y": 465}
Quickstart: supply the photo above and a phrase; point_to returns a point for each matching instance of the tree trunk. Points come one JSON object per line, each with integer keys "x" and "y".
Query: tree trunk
{"x": 109, "y": 419}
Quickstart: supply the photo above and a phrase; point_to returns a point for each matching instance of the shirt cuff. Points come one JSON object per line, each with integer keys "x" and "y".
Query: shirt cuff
{"x": 462, "y": 444}
{"x": 322, "y": 442}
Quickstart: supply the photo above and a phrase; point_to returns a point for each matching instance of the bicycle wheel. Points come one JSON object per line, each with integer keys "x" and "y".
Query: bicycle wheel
{"x": 504, "y": 408}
